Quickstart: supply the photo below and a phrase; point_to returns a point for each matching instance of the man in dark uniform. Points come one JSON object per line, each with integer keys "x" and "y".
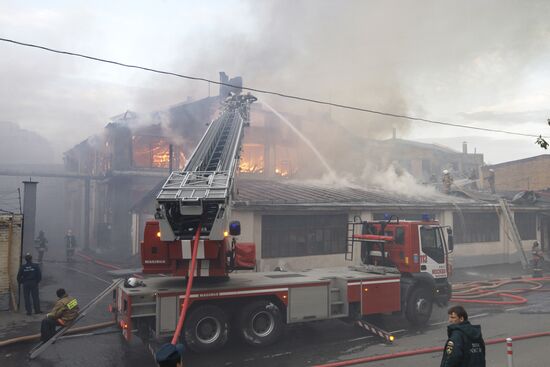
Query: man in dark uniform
{"x": 30, "y": 275}
{"x": 465, "y": 346}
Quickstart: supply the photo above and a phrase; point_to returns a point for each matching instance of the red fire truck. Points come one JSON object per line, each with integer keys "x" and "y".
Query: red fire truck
{"x": 403, "y": 265}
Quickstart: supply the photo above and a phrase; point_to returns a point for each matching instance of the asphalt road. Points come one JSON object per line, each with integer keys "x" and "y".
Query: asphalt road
{"x": 302, "y": 345}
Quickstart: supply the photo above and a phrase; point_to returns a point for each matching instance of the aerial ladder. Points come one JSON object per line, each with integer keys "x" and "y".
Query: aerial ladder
{"x": 193, "y": 204}
{"x": 200, "y": 193}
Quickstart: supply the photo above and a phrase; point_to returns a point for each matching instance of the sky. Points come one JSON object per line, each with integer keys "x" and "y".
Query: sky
{"x": 477, "y": 63}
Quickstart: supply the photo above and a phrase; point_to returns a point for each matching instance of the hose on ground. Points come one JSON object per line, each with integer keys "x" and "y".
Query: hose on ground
{"x": 489, "y": 292}
{"x": 75, "y": 330}
{"x": 415, "y": 352}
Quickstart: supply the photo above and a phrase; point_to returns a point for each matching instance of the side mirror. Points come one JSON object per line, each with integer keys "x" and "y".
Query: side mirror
{"x": 235, "y": 228}
{"x": 450, "y": 239}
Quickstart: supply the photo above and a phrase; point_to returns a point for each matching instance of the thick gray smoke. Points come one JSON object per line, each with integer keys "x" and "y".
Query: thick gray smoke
{"x": 441, "y": 60}
{"x": 436, "y": 59}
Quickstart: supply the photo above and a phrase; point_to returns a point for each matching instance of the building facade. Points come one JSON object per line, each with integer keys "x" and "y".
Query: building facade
{"x": 10, "y": 258}
{"x": 296, "y": 226}
{"x": 529, "y": 174}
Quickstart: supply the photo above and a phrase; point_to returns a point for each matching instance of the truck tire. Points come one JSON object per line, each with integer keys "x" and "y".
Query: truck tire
{"x": 260, "y": 323}
{"x": 419, "y": 306}
{"x": 206, "y": 329}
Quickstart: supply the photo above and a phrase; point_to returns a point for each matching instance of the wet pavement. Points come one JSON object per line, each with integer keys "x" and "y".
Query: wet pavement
{"x": 302, "y": 345}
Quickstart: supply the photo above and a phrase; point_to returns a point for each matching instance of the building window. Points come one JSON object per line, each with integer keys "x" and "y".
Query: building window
{"x": 252, "y": 158}
{"x": 527, "y": 225}
{"x": 296, "y": 235}
{"x": 154, "y": 152}
{"x": 476, "y": 227}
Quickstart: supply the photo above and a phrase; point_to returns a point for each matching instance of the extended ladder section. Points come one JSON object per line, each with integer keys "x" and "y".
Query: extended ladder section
{"x": 200, "y": 192}
{"x": 516, "y": 238}
{"x": 43, "y": 346}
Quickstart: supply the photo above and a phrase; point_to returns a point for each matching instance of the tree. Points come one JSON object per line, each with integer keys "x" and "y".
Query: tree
{"x": 541, "y": 141}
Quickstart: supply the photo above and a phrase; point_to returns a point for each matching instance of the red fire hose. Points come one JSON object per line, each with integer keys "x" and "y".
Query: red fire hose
{"x": 189, "y": 286}
{"x": 472, "y": 292}
{"x": 409, "y": 353}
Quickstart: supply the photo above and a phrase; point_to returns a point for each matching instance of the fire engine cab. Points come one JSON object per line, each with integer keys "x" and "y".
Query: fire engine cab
{"x": 403, "y": 265}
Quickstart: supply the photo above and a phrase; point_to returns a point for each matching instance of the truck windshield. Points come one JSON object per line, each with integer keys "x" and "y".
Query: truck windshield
{"x": 432, "y": 243}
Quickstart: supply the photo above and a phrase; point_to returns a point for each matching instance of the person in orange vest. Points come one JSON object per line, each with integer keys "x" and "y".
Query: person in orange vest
{"x": 63, "y": 312}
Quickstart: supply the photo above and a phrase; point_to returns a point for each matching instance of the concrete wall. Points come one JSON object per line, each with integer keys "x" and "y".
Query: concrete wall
{"x": 10, "y": 253}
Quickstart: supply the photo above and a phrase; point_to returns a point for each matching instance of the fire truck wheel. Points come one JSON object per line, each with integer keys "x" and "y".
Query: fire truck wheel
{"x": 206, "y": 329}
{"x": 419, "y": 306}
{"x": 261, "y": 323}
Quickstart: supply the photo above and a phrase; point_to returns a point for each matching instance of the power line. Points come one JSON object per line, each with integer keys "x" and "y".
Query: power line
{"x": 279, "y": 94}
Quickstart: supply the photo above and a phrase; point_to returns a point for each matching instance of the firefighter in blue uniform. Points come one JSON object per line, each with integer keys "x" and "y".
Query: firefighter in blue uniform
{"x": 29, "y": 276}
{"x": 465, "y": 346}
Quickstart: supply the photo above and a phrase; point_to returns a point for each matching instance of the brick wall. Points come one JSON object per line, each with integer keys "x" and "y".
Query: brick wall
{"x": 10, "y": 252}
{"x": 524, "y": 174}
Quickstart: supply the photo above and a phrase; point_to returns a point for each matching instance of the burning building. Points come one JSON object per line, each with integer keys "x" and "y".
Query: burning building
{"x": 135, "y": 153}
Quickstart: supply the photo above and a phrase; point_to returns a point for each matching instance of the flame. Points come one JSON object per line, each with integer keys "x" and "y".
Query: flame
{"x": 281, "y": 172}
{"x": 160, "y": 155}
{"x": 252, "y": 158}
{"x": 154, "y": 152}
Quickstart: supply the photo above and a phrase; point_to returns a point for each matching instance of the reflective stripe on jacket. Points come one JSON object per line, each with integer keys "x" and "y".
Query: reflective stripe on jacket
{"x": 65, "y": 308}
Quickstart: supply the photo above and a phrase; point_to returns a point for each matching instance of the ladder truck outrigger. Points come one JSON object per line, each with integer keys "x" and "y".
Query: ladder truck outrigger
{"x": 403, "y": 268}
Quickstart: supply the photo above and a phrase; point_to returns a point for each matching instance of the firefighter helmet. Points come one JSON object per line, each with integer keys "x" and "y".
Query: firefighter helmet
{"x": 132, "y": 282}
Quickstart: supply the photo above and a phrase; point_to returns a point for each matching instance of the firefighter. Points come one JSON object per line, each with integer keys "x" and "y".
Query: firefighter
{"x": 169, "y": 355}
{"x": 447, "y": 180}
{"x": 29, "y": 275}
{"x": 465, "y": 346}
{"x": 64, "y": 311}
{"x": 538, "y": 256}
{"x": 70, "y": 245}
{"x": 491, "y": 180}
{"x": 41, "y": 245}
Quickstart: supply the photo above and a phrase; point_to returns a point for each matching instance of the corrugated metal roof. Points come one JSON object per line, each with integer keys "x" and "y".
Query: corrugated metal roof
{"x": 520, "y": 161}
{"x": 250, "y": 192}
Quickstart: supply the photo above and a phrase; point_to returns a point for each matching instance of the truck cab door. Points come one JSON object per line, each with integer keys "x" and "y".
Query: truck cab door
{"x": 432, "y": 251}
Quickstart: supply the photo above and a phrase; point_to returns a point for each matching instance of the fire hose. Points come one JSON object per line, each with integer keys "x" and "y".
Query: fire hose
{"x": 189, "y": 286}
{"x": 77, "y": 330}
{"x": 473, "y": 292}
{"x": 183, "y": 312}
{"x": 408, "y": 353}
